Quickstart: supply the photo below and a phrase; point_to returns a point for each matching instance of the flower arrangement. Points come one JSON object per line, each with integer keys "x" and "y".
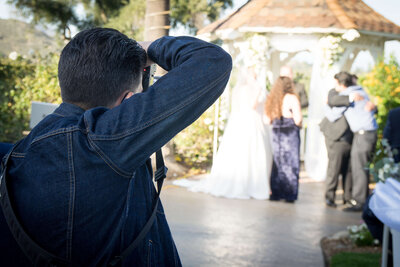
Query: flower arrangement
{"x": 385, "y": 167}
{"x": 361, "y": 236}
{"x": 331, "y": 48}
{"x": 253, "y": 50}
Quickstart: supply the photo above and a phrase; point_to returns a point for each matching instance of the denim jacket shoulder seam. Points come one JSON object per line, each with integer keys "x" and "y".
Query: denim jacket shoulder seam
{"x": 58, "y": 114}
{"x": 160, "y": 117}
{"x": 108, "y": 161}
{"x": 18, "y": 155}
{"x": 71, "y": 204}
{"x": 55, "y": 132}
{"x": 103, "y": 156}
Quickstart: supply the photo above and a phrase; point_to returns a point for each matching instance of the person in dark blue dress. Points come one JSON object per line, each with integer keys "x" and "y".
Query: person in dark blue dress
{"x": 283, "y": 111}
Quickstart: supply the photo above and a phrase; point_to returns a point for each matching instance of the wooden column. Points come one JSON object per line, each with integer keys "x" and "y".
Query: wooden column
{"x": 157, "y": 23}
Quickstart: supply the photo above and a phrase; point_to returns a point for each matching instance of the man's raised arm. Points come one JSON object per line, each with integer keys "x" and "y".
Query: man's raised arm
{"x": 197, "y": 75}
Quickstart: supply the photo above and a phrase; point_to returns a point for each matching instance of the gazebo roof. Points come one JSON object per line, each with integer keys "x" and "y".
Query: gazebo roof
{"x": 316, "y": 15}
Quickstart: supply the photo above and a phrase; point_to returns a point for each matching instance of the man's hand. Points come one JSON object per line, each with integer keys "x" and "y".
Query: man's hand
{"x": 357, "y": 97}
{"x": 369, "y": 106}
{"x": 145, "y": 45}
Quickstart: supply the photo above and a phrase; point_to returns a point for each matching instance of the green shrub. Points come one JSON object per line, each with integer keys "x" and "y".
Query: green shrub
{"x": 194, "y": 145}
{"x": 383, "y": 84}
{"x": 361, "y": 236}
{"x": 22, "y": 81}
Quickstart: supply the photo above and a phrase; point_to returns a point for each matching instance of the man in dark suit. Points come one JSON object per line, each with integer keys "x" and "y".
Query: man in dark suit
{"x": 392, "y": 131}
{"x": 338, "y": 139}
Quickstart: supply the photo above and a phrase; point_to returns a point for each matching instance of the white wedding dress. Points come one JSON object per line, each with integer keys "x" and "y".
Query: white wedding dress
{"x": 243, "y": 162}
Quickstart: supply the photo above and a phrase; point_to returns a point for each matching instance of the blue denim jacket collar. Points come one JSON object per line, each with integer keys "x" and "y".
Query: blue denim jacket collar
{"x": 67, "y": 109}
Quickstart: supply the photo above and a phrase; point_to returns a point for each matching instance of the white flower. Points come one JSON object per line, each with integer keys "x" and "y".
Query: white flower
{"x": 354, "y": 228}
{"x": 395, "y": 169}
{"x": 13, "y": 55}
{"x": 381, "y": 174}
{"x": 385, "y": 142}
{"x": 350, "y": 35}
{"x": 386, "y": 167}
{"x": 207, "y": 121}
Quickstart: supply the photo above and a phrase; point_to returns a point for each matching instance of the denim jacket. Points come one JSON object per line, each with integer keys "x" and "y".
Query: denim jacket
{"x": 81, "y": 181}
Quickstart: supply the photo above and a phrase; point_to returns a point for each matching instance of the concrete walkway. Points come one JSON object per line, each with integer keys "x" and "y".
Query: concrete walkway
{"x": 210, "y": 231}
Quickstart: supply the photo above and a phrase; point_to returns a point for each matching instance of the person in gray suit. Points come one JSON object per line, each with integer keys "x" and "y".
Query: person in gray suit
{"x": 360, "y": 117}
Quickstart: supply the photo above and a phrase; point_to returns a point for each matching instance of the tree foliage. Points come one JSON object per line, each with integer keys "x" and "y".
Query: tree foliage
{"x": 124, "y": 15}
{"x": 22, "y": 81}
{"x": 130, "y": 19}
{"x": 383, "y": 83}
{"x": 59, "y": 13}
{"x": 194, "y": 13}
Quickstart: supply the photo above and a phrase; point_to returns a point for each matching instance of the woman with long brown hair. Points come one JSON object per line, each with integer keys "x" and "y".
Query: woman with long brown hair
{"x": 283, "y": 112}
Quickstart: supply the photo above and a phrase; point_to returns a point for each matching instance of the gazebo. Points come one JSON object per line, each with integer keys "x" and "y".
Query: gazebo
{"x": 271, "y": 32}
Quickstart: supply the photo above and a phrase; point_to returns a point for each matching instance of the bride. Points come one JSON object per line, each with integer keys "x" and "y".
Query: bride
{"x": 243, "y": 162}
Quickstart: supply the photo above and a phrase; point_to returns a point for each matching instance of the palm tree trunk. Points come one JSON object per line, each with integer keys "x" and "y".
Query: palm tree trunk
{"x": 157, "y": 25}
{"x": 157, "y": 22}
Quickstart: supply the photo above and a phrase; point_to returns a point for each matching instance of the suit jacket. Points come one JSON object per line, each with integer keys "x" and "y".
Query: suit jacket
{"x": 392, "y": 130}
{"x": 301, "y": 92}
{"x": 338, "y": 129}
{"x": 336, "y": 100}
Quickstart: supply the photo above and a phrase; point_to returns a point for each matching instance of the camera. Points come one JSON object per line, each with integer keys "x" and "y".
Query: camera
{"x": 148, "y": 76}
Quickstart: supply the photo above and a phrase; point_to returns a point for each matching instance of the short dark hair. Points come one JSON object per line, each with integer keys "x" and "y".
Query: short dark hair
{"x": 98, "y": 65}
{"x": 354, "y": 79}
{"x": 344, "y": 78}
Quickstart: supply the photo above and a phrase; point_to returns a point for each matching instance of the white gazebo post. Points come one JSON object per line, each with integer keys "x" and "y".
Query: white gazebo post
{"x": 324, "y": 69}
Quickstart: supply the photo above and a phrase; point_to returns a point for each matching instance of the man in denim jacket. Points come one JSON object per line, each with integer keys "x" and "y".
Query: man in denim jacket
{"x": 81, "y": 181}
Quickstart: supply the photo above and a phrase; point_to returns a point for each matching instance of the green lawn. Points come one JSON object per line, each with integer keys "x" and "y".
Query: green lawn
{"x": 348, "y": 259}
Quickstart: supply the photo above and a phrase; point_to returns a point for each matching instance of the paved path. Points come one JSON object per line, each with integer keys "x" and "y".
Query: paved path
{"x": 210, "y": 231}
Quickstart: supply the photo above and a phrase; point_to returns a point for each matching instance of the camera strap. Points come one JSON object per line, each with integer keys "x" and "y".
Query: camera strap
{"x": 36, "y": 254}
{"x": 160, "y": 174}
{"x": 41, "y": 257}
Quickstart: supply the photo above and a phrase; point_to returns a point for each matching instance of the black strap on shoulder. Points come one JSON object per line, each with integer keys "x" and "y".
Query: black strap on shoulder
{"x": 39, "y": 256}
{"x": 160, "y": 174}
{"x": 36, "y": 254}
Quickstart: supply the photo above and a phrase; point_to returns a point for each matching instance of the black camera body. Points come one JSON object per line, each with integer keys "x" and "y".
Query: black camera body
{"x": 148, "y": 75}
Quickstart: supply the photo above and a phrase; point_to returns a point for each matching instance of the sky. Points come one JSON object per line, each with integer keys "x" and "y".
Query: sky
{"x": 388, "y": 8}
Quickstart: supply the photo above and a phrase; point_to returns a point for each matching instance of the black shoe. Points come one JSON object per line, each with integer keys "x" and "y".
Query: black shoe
{"x": 353, "y": 208}
{"x": 330, "y": 203}
{"x": 273, "y": 198}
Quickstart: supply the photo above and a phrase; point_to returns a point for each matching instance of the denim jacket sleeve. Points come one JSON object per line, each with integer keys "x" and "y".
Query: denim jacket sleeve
{"x": 128, "y": 134}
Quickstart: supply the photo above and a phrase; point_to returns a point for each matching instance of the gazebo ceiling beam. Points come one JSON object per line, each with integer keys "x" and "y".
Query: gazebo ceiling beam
{"x": 388, "y": 36}
{"x": 300, "y": 30}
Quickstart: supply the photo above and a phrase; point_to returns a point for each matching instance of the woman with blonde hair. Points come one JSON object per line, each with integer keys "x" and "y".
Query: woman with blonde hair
{"x": 283, "y": 112}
